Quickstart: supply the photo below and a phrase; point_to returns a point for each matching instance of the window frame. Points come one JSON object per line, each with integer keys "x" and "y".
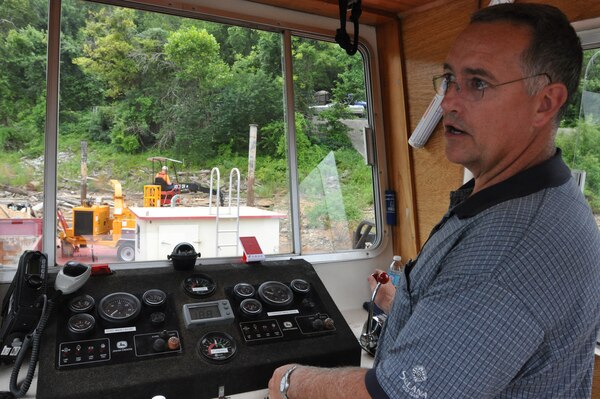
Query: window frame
{"x": 289, "y": 29}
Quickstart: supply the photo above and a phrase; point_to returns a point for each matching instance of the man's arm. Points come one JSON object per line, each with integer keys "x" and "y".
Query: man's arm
{"x": 321, "y": 383}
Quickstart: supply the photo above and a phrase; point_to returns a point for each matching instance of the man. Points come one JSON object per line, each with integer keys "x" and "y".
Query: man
{"x": 163, "y": 174}
{"x": 504, "y": 299}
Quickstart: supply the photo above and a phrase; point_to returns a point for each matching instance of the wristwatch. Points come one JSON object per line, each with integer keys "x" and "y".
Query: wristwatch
{"x": 284, "y": 385}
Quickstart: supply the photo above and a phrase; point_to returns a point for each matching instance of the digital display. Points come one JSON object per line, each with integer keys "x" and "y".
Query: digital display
{"x": 204, "y": 312}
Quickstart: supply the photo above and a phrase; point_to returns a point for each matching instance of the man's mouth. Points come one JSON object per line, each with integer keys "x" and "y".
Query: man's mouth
{"x": 453, "y": 130}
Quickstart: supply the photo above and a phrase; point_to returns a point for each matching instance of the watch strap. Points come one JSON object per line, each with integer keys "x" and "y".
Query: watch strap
{"x": 284, "y": 385}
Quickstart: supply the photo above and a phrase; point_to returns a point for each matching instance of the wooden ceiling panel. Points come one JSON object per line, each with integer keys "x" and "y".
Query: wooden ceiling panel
{"x": 374, "y": 12}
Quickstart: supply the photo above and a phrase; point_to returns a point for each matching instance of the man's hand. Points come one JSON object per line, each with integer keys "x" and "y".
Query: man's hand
{"x": 385, "y": 295}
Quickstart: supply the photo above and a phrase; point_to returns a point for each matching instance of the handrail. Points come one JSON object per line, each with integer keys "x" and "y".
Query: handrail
{"x": 218, "y": 231}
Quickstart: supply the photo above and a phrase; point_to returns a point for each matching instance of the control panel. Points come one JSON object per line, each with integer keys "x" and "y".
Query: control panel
{"x": 219, "y": 328}
{"x": 278, "y": 310}
{"x": 116, "y": 327}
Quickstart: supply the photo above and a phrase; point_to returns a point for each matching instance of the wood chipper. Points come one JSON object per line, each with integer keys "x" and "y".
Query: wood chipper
{"x": 99, "y": 224}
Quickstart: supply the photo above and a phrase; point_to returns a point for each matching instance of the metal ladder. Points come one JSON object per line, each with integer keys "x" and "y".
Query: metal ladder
{"x": 217, "y": 210}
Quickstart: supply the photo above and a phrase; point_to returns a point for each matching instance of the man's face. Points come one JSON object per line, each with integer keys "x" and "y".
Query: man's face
{"x": 489, "y": 134}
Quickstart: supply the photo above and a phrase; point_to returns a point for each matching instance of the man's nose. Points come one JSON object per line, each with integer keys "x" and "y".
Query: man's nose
{"x": 451, "y": 98}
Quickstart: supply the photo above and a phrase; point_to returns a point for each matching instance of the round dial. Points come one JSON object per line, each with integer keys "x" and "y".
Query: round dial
{"x": 154, "y": 298}
{"x": 81, "y": 323}
{"x": 199, "y": 285}
{"x": 217, "y": 346}
{"x": 243, "y": 290}
{"x": 275, "y": 293}
{"x": 251, "y": 307}
{"x": 119, "y": 307}
{"x": 300, "y": 286}
{"x": 81, "y": 303}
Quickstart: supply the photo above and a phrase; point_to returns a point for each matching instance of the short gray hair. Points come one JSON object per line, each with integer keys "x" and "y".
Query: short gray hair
{"x": 555, "y": 48}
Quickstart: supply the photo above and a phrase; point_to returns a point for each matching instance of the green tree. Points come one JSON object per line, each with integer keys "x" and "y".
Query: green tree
{"x": 190, "y": 108}
{"x": 581, "y": 150}
{"x": 22, "y": 86}
{"x": 349, "y": 85}
{"x": 251, "y": 97}
{"x": 317, "y": 65}
{"x": 111, "y": 39}
{"x": 16, "y": 14}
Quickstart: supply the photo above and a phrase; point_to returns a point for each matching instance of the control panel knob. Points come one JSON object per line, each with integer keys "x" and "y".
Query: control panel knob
{"x": 317, "y": 324}
{"x": 173, "y": 343}
{"x": 329, "y": 324}
{"x": 381, "y": 277}
{"x": 159, "y": 345}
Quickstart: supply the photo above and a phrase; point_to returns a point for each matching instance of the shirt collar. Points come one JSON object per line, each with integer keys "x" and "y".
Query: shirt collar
{"x": 551, "y": 173}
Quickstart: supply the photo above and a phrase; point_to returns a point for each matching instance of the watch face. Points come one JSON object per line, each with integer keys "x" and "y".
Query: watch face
{"x": 282, "y": 385}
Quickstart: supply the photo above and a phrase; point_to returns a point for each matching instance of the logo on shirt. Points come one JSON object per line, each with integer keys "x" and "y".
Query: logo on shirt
{"x": 419, "y": 373}
{"x": 410, "y": 382}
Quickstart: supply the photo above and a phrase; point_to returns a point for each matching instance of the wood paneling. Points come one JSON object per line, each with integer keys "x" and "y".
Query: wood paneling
{"x": 427, "y": 37}
{"x": 596, "y": 381}
{"x": 399, "y": 164}
{"x": 374, "y": 12}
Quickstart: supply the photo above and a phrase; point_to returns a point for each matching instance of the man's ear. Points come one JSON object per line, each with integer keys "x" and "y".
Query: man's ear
{"x": 550, "y": 99}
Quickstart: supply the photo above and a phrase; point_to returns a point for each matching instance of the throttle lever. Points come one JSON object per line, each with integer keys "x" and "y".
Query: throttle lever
{"x": 381, "y": 278}
{"x": 368, "y": 340}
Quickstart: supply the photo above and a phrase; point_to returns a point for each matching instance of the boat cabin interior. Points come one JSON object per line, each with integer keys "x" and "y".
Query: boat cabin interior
{"x": 312, "y": 128}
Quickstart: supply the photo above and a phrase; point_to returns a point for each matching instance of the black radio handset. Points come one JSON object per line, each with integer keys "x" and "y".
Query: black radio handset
{"x": 24, "y": 315}
{"x": 21, "y": 308}
{"x": 30, "y": 313}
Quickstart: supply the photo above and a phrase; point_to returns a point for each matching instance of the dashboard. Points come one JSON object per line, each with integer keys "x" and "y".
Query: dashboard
{"x": 216, "y": 330}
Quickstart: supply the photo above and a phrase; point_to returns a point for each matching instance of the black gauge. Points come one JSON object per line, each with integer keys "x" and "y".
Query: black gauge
{"x": 243, "y": 290}
{"x": 81, "y": 303}
{"x": 199, "y": 285}
{"x": 217, "y": 346}
{"x": 251, "y": 307}
{"x": 81, "y": 323}
{"x": 275, "y": 293}
{"x": 119, "y": 307}
{"x": 300, "y": 286}
{"x": 154, "y": 298}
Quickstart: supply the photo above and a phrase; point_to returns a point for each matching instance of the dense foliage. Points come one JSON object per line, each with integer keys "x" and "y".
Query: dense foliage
{"x": 145, "y": 83}
{"x": 135, "y": 84}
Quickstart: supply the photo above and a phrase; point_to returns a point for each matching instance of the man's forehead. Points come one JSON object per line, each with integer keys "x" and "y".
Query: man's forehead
{"x": 467, "y": 70}
{"x": 485, "y": 49}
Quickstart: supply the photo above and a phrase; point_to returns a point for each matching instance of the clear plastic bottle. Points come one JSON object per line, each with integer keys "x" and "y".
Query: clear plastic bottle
{"x": 395, "y": 269}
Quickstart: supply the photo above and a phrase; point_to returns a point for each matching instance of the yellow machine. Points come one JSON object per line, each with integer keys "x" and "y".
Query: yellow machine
{"x": 95, "y": 224}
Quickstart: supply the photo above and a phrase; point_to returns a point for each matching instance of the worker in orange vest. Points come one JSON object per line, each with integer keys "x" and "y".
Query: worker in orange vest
{"x": 165, "y": 176}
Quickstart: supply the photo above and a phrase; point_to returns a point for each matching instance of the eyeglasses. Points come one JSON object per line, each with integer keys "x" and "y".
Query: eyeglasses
{"x": 473, "y": 88}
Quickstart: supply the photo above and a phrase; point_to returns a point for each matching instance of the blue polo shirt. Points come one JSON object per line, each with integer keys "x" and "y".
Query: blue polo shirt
{"x": 503, "y": 300}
